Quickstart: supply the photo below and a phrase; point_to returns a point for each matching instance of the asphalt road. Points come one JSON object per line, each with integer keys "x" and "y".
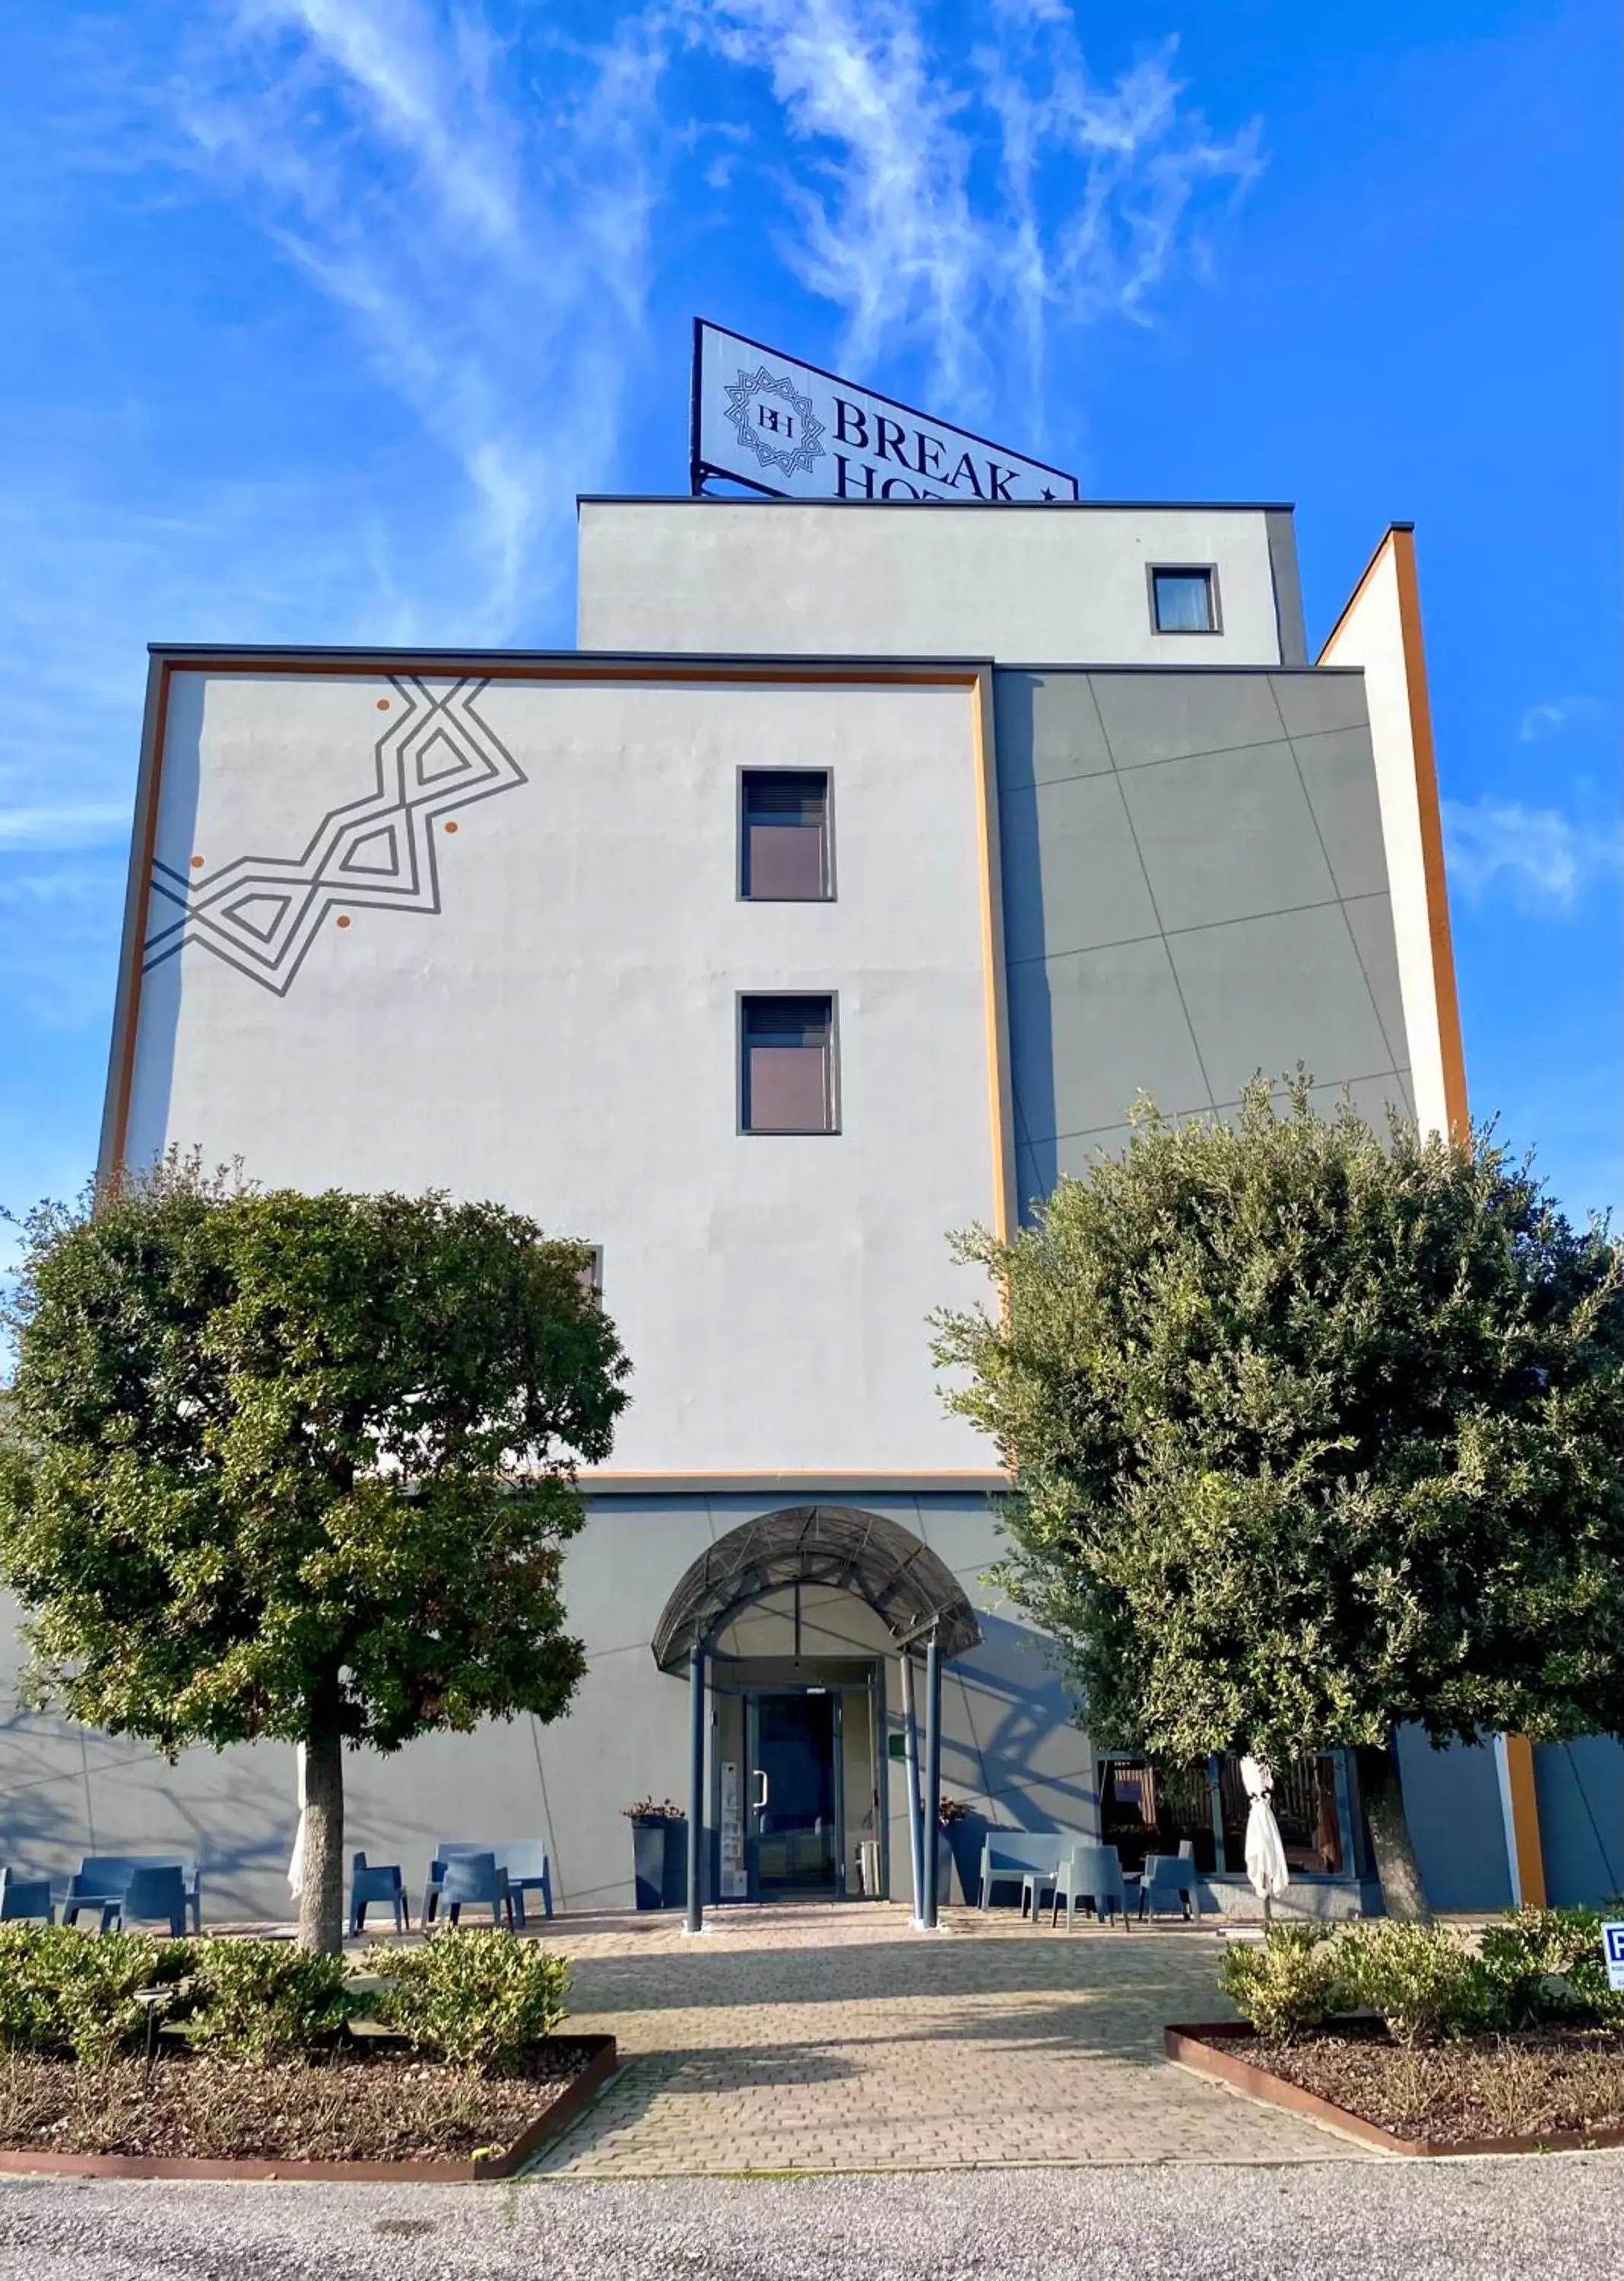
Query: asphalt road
{"x": 1561, "y": 2216}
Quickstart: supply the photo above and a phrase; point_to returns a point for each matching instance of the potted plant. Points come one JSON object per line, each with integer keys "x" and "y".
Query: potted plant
{"x": 960, "y": 1834}
{"x": 659, "y": 1852}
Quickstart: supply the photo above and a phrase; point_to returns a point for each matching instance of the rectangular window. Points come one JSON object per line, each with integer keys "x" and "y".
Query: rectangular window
{"x": 787, "y": 1065}
{"x": 1183, "y": 601}
{"x": 784, "y": 835}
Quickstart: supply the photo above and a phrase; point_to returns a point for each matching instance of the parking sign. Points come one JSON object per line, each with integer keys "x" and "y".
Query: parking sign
{"x": 1612, "y": 1951}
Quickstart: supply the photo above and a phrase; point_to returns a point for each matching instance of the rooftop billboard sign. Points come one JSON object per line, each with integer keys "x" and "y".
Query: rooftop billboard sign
{"x": 794, "y": 431}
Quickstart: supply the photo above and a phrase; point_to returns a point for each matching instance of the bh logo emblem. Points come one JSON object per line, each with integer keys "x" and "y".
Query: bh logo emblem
{"x": 774, "y": 421}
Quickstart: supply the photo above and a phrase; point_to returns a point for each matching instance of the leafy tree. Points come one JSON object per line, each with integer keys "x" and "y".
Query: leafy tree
{"x": 299, "y": 1468}
{"x": 1316, "y": 1432}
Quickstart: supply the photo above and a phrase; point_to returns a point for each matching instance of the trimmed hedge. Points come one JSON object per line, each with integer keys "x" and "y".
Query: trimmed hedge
{"x": 475, "y": 1999}
{"x": 1537, "y": 1967}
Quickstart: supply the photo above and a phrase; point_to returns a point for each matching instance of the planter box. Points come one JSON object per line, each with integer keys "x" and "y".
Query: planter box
{"x": 1192, "y": 2046}
{"x": 659, "y": 1861}
{"x": 577, "y": 2094}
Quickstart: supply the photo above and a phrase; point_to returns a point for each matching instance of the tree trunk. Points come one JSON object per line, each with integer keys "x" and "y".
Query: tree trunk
{"x": 1403, "y": 1896}
{"x": 321, "y": 1895}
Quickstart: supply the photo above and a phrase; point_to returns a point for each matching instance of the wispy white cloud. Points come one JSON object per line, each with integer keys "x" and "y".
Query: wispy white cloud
{"x": 1554, "y": 715}
{"x": 76, "y": 824}
{"x": 479, "y": 210}
{"x": 948, "y": 202}
{"x": 1540, "y": 857}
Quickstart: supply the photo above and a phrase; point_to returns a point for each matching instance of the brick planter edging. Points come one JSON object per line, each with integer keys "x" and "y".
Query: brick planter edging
{"x": 578, "y": 2093}
{"x": 1192, "y": 2046}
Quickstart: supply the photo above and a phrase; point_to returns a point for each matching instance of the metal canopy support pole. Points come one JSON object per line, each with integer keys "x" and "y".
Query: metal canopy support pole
{"x": 910, "y": 1763}
{"x": 696, "y": 1789}
{"x": 932, "y": 1778}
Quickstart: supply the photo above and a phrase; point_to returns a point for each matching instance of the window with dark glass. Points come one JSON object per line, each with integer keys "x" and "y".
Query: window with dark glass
{"x": 787, "y": 1064}
{"x": 1182, "y": 601}
{"x": 784, "y": 853}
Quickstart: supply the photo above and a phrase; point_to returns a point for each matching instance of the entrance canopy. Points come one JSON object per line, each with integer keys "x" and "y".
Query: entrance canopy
{"x": 899, "y": 1576}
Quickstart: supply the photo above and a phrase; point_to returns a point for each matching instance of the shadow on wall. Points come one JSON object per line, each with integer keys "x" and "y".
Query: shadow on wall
{"x": 1031, "y": 1048}
{"x": 1579, "y": 1787}
{"x": 1033, "y": 1764}
{"x": 65, "y": 1792}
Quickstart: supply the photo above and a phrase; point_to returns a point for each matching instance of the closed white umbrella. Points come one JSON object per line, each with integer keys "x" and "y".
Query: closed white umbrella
{"x": 1265, "y": 1856}
{"x": 295, "y": 1862}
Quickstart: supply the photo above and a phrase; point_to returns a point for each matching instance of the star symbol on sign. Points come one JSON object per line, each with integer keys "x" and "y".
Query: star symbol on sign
{"x": 1049, "y": 494}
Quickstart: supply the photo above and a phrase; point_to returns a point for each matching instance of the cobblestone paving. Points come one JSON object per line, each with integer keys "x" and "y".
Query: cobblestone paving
{"x": 837, "y": 2039}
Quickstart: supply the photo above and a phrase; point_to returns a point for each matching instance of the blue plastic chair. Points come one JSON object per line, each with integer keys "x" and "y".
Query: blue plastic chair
{"x": 379, "y": 1883}
{"x": 1090, "y": 1874}
{"x": 25, "y": 1897}
{"x": 1169, "y": 1883}
{"x": 474, "y": 1879}
{"x": 102, "y": 1880}
{"x": 525, "y": 1860}
{"x": 154, "y": 1897}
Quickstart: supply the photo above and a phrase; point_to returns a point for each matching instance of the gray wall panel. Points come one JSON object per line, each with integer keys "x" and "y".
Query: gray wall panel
{"x": 1312, "y": 702}
{"x": 1047, "y": 726}
{"x": 1266, "y": 993}
{"x": 1226, "y": 836}
{"x": 1370, "y": 918}
{"x": 1108, "y": 1023}
{"x": 1072, "y": 844}
{"x": 1339, "y": 771}
{"x": 1167, "y": 716}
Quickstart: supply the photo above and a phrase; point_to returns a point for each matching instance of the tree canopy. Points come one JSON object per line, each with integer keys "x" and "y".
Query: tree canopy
{"x": 298, "y": 1467}
{"x": 1315, "y": 1431}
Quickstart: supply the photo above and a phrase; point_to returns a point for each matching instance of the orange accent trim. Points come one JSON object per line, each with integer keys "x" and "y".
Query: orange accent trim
{"x": 1444, "y": 986}
{"x": 1524, "y": 1834}
{"x": 992, "y": 957}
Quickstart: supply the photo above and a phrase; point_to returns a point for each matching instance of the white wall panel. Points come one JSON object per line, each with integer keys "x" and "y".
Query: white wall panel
{"x": 561, "y": 1035}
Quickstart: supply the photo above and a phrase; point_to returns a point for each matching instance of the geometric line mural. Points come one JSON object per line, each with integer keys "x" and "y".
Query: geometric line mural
{"x": 261, "y": 913}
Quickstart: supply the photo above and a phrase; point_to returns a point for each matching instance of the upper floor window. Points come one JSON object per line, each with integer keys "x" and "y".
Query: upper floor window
{"x": 786, "y": 1076}
{"x": 1184, "y": 600}
{"x": 783, "y": 853}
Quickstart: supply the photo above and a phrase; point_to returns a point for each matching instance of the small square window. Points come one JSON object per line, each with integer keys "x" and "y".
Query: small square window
{"x": 1183, "y": 601}
{"x": 784, "y": 835}
{"x": 786, "y": 1075}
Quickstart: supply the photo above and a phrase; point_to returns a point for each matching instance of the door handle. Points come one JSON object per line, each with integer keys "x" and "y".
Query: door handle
{"x": 760, "y": 1802}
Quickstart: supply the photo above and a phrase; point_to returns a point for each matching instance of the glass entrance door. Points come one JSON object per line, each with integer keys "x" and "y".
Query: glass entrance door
{"x": 797, "y": 1845}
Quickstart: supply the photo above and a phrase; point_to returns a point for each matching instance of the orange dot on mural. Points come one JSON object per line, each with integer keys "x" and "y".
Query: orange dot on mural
{"x": 344, "y": 921}
{"x": 382, "y": 704}
{"x": 450, "y": 827}
{"x": 196, "y": 862}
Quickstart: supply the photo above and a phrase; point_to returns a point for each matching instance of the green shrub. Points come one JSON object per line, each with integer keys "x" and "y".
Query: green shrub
{"x": 1422, "y": 1979}
{"x": 1546, "y": 1965}
{"x": 1294, "y": 1981}
{"x": 64, "y": 1990}
{"x": 264, "y": 1999}
{"x": 478, "y": 1998}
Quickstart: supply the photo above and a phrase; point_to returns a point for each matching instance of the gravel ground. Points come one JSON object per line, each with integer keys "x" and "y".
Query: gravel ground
{"x": 1381, "y": 2221}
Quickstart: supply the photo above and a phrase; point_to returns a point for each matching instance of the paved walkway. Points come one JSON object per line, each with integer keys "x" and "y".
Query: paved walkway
{"x": 837, "y": 2039}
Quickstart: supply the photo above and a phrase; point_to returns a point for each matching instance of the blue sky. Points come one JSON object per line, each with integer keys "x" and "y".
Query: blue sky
{"x": 319, "y": 313}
